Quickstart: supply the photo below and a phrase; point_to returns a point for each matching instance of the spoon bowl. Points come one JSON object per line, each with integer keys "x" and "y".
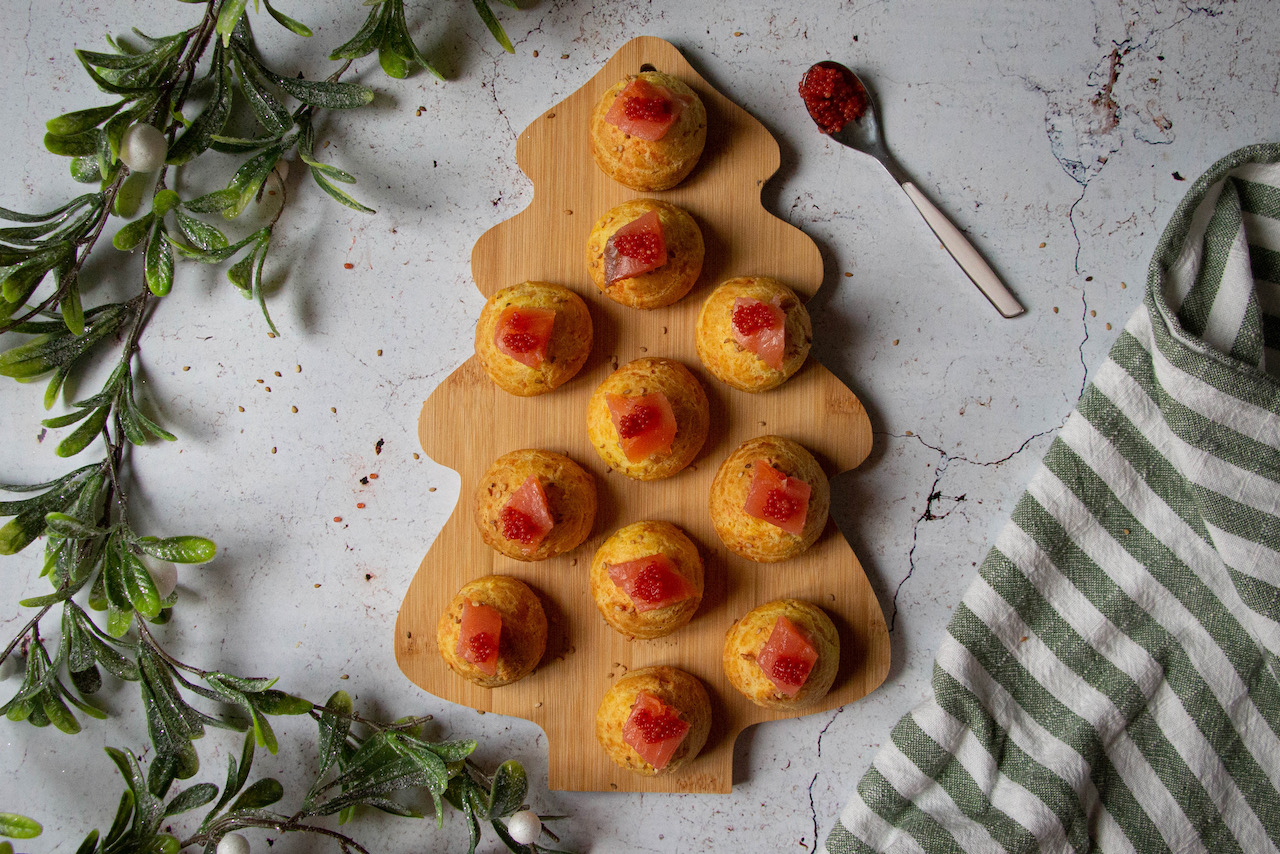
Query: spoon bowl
{"x": 843, "y": 108}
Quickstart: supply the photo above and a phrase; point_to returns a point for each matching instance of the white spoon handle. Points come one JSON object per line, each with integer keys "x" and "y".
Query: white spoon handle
{"x": 964, "y": 253}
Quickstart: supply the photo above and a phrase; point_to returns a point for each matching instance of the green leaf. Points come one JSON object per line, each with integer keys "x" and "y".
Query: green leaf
{"x": 73, "y": 310}
{"x": 82, "y": 144}
{"x": 263, "y": 793}
{"x": 69, "y": 526}
{"x": 366, "y": 39}
{"x": 329, "y": 171}
{"x": 192, "y": 798}
{"x": 184, "y": 549}
{"x": 82, "y": 120}
{"x": 453, "y": 751}
{"x": 124, "y": 812}
{"x": 338, "y": 194}
{"x": 90, "y": 844}
{"x": 287, "y": 22}
{"x": 335, "y": 723}
{"x": 392, "y": 63}
{"x": 211, "y": 120}
{"x": 131, "y": 234}
{"x": 495, "y": 28}
{"x": 164, "y": 201}
{"x": 18, "y": 826}
{"x": 510, "y": 785}
{"x": 119, "y": 621}
{"x": 139, "y": 586}
{"x": 249, "y": 178}
{"x": 200, "y": 233}
{"x": 273, "y": 702}
{"x": 58, "y": 713}
{"x": 271, "y": 114}
{"x": 68, "y": 419}
{"x": 216, "y": 202}
{"x": 228, "y": 17}
{"x": 326, "y": 94}
{"x": 84, "y": 434}
{"x": 158, "y": 261}
{"x": 59, "y": 349}
{"x": 262, "y": 731}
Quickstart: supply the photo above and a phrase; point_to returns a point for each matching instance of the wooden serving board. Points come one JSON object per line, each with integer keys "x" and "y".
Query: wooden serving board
{"x": 468, "y": 422}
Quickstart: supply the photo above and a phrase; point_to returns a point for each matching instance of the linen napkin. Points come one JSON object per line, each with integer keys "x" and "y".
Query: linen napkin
{"x": 1109, "y": 680}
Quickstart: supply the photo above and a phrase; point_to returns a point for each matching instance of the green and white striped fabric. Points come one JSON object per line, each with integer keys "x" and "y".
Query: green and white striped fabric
{"x": 1109, "y": 681}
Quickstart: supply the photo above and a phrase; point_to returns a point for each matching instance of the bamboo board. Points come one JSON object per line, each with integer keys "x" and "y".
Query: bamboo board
{"x": 467, "y": 423}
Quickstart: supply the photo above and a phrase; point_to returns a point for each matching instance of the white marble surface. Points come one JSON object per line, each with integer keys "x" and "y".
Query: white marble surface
{"x": 1058, "y": 135}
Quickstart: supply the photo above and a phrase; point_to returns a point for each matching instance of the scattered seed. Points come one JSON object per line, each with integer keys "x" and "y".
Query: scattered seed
{"x": 293, "y": 408}
{"x": 909, "y": 433}
{"x": 268, "y": 388}
{"x": 348, "y": 266}
{"x": 564, "y": 56}
{"x": 416, "y": 457}
{"x": 273, "y": 449}
{"x": 317, "y": 586}
{"x": 535, "y": 54}
{"x": 345, "y": 676}
{"x": 277, "y": 373}
{"x": 241, "y": 408}
{"x": 1123, "y": 286}
{"x": 1055, "y": 309}
{"x": 1126, "y": 532}
{"x": 1108, "y": 326}
{"x": 537, "y": 705}
{"x": 848, "y": 275}
{"x": 1093, "y": 312}
{"x": 261, "y": 381}
{"x": 432, "y": 489}
{"x": 271, "y": 335}
{"x": 186, "y": 367}
{"x": 895, "y": 342}
{"x": 1088, "y": 278}
{"x": 379, "y": 352}
{"x": 297, "y": 369}
{"x": 373, "y": 476}
{"x": 1043, "y": 245}
{"x": 333, "y": 409}
{"x": 337, "y": 518}
{"x": 738, "y": 33}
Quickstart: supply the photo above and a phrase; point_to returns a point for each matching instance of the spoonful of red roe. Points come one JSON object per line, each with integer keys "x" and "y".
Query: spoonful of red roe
{"x": 841, "y": 107}
{"x": 833, "y": 95}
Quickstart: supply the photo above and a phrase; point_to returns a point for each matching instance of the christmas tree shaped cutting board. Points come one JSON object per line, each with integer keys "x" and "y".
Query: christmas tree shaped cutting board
{"x": 467, "y": 423}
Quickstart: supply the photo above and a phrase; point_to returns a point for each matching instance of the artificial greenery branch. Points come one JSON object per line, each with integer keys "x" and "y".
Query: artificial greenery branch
{"x": 113, "y": 584}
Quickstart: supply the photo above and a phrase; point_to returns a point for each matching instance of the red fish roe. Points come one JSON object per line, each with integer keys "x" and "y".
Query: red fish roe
{"x": 645, "y": 248}
{"x": 751, "y": 318}
{"x": 653, "y": 584}
{"x": 832, "y": 97}
{"x": 637, "y": 421}
{"x": 517, "y": 525}
{"x": 779, "y": 506}
{"x": 655, "y": 728}
{"x": 790, "y": 670}
{"x": 482, "y": 647}
{"x": 647, "y": 109}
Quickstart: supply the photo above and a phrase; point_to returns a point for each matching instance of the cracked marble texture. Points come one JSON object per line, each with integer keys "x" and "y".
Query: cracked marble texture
{"x": 1058, "y": 136}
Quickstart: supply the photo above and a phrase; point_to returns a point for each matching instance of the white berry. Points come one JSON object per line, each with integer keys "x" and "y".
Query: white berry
{"x": 164, "y": 575}
{"x": 233, "y": 843}
{"x": 523, "y": 827}
{"x": 143, "y": 148}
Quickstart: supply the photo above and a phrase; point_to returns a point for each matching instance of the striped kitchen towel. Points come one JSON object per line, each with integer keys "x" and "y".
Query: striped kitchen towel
{"x": 1109, "y": 681}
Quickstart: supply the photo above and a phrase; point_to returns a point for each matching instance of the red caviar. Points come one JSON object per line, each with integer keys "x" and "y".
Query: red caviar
{"x": 833, "y": 96}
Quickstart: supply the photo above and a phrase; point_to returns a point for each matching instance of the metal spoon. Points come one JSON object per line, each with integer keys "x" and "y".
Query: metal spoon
{"x": 859, "y": 129}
